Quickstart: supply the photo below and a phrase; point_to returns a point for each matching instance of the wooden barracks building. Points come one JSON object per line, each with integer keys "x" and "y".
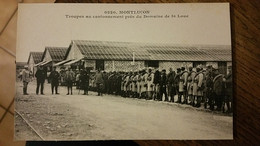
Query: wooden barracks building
{"x": 129, "y": 56}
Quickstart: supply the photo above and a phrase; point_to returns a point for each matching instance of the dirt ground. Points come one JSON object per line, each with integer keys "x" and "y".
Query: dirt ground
{"x": 91, "y": 117}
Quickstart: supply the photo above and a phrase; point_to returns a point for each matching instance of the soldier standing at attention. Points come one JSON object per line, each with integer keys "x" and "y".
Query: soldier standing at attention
{"x": 163, "y": 83}
{"x": 99, "y": 81}
{"x": 176, "y": 83}
{"x": 228, "y": 90}
{"x": 40, "y": 76}
{"x": 26, "y": 79}
{"x": 198, "y": 86}
{"x": 170, "y": 84}
{"x": 190, "y": 81}
{"x": 185, "y": 77}
{"x": 156, "y": 81}
{"x": 218, "y": 89}
{"x": 84, "y": 79}
{"x": 69, "y": 78}
{"x": 54, "y": 77}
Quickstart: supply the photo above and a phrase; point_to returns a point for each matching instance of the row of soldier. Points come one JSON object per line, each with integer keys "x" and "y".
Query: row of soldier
{"x": 191, "y": 86}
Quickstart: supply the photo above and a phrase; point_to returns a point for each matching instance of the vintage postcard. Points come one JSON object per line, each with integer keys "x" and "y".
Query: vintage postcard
{"x": 124, "y": 71}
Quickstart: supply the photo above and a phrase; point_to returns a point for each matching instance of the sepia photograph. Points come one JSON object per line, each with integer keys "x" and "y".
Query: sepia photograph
{"x": 124, "y": 72}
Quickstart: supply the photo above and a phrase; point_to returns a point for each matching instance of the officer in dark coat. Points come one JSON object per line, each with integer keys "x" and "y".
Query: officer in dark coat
{"x": 170, "y": 83}
{"x": 163, "y": 83}
{"x": 54, "y": 78}
{"x": 84, "y": 80}
{"x": 176, "y": 82}
{"x": 40, "y": 77}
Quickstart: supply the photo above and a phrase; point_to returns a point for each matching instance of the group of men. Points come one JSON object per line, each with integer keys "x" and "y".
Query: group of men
{"x": 192, "y": 86}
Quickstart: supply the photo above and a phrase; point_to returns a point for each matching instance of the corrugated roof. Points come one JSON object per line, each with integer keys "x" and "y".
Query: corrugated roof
{"x": 36, "y": 56}
{"x": 57, "y": 53}
{"x": 149, "y": 51}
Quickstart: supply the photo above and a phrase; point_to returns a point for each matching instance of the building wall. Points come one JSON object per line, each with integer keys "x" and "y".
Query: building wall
{"x": 47, "y": 56}
{"x": 74, "y": 53}
{"x": 90, "y": 63}
{"x": 174, "y": 65}
{"x": 123, "y": 65}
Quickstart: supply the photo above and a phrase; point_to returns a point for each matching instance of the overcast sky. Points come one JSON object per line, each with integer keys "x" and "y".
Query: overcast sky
{"x": 41, "y": 25}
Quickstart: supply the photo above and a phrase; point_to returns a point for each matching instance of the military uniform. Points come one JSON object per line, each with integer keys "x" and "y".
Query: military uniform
{"x": 54, "y": 78}
{"x": 26, "y": 79}
{"x": 150, "y": 85}
{"x": 170, "y": 84}
{"x": 198, "y": 87}
{"x": 228, "y": 90}
{"x": 40, "y": 77}
{"x": 163, "y": 83}
{"x": 218, "y": 90}
{"x": 84, "y": 81}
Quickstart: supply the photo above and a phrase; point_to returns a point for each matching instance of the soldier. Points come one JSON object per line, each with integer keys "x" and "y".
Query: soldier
{"x": 123, "y": 85}
{"x": 183, "y": 86}
{"x": 41, "y": 76}
{"x": 54, "y": 78}
{"x": 156, "y": 81}
{"x": 99, "y": 82}
{"x": 26, "y": 79}
{"x": 69, "y": 78}
{"x": 144, "y": 84}
{"x": 118, "y": 83}
{"x": 138, "y": 83}
{"x": 134, "y": 85}
{"x": 176, "y": 83}
{"x": 105, "y": 75}
{"x": 209, "y": 88}
{"x": 150, "y": 85}
{"x": 218, "y": 89}
{"x": 228, "y": 90}
{"x": 170, "y": 84}
{"x": 190, "y": 81}
{"x": 198, "y": 86}
{"x": 84, "y": 81}
{"x": 163, "y": 83}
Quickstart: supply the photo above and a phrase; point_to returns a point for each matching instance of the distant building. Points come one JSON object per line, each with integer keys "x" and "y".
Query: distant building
{"x": 34, "y": 58}
{"x": 51, "y": 56}
{"x": 129, "y": 56}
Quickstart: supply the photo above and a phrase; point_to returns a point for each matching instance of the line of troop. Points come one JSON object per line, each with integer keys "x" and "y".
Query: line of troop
{"x": 185, "y": 85}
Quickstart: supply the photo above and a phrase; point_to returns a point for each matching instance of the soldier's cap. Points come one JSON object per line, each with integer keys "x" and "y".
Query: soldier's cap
{"x": 178, "y": 69}
{"x": 163, "y": 70}
{"x": 182, "y": 68}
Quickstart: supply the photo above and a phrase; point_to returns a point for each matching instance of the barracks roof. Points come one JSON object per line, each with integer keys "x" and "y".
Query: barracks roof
{"x": 37, "y": 56}
{"x": 57, "y": 53}
{"x": 107, "y": 50}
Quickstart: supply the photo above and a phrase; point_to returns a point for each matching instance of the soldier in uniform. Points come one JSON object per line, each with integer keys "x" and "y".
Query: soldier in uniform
{"x": 170, "y": 84}
{"x": 198, "y": 86}
{"x": 163, "y": 84}
{"x": 184, "y": 77}
{"x": 84, "y": 80}
{"x": 144, "y": 84}
{"x": 150, "y": 85}
{"x": 69, "y": 78}
{"x": 26, "y": 79}
{"x": 123, "y": 85}
{"x": 138, "y": 83}
{"x": 209, "y": 88}
{"x": 228, "y": 89}
{"x": 156, "y": 81}
{"x": 190, "y": 81}
{"x": 176, "y": 83}
{"x": 118, "y": 81}
{"x": 54, "y": 77}
{"x": 40, "y": 77}
{"x": 218, "y": 89}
